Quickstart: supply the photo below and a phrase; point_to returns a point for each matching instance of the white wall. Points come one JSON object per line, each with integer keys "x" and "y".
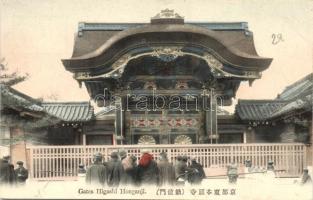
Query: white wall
{"x": 4, "y": 138}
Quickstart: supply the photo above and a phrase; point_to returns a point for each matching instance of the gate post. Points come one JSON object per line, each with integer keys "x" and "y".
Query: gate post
{"x": 31, "y": 163}
{"x": 210, "y": 116}
{"x": 305, "y": 163}
{"x": 231, "y": 154}
{"x": 169, "y": 154}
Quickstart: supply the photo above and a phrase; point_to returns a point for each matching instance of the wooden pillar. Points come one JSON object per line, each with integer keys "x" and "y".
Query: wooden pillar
{"x": 114, "y": 139}
{"x": 18, "y": 145}
{"x": 77, "y": 136}
{"x": 311, "y": 146}
{"x": 213, "y": 102}
{"x": 211, "y": 117}
{"x": 309, "y": 153}
{"x": 245, "y": 137}
{"x": 288, "y": 134}
{"x": 207, "y": 127}
{"x": 119, "y": 121}
{"x": 5, "y": 134}
{"x": 249, "y": 135}
{"x": 84, "y": 139}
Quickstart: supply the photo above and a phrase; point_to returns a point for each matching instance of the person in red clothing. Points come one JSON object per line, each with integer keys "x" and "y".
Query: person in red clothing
{"x": 147, "y": 172}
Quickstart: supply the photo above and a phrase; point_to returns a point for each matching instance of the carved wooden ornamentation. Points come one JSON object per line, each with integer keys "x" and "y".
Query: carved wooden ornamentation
{"x": 150, "y": 85}
{"x": 181, "y": 85}
{"x": 146, "y": 139}
{"x": 183, "y": 139}
{"x": 167, "y": 54}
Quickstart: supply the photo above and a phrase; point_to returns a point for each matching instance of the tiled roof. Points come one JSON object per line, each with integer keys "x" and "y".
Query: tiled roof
{"x": 65, "y": 111}
{"x": 17, "y": 100}
{"x": 92, "y": 35}
{"x": 98, "y": 43}
{"x": 257, "y": 109}
{"x": 299, "y": 89}
{"x": 303, "y": 103}
{"x": 297, "y": 96}
{"x": 70, "y": 111}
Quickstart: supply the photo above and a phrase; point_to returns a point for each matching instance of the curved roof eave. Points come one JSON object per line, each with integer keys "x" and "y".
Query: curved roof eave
{"x": 77, "y": 62}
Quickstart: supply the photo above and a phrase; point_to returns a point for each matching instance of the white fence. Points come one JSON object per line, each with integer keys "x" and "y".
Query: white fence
{"x": 61, "y": 162}
{"x": 4, "y": 151}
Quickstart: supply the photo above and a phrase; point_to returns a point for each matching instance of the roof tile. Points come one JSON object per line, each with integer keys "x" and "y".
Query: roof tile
{"x": 295, "y": 97}
{"x": 70, "y": 111}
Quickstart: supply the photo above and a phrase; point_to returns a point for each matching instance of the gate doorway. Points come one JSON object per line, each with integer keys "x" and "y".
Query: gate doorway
{"x": 163, "y": 127}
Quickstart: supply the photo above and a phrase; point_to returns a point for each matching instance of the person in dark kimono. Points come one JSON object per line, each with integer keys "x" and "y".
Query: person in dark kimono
{"x": 129, "y": 168}
{"x": 185, "y": 159}
{"x": 135, "y": 169}
{"x": 115, "y": 170}
{"x": 12, "y": 175}
{"x": 7, "y": 175}
{"x": 81, "y": 169}
{"x": 21, "y": 173}
{"x": 306, "y": 178}
{"x": 5, "y": 170}
{"x": 195, "y": 172}
{"x": 166, "y": 171}
{"x": 270, "y": 166}
{"x": 147, "y": 172}
{"x": 180, "y": 168}
{"x": 96, "y": 173}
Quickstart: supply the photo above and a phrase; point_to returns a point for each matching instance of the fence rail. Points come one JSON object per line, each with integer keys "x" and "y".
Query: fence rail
{"x": 61, "y": 162}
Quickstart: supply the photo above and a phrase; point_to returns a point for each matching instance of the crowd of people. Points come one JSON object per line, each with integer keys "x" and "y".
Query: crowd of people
{"x": 122, "y": 169}
{"x": 11, "y": 176}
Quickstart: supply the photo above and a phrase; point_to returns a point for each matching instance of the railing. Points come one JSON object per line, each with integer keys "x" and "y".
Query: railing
{"x": 61, "y": 162}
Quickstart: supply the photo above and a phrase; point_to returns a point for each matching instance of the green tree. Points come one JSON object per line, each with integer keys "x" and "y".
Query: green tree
{"x": 10, "y": 78}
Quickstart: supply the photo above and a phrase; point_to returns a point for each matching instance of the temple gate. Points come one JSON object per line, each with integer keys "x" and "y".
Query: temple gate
{"x": 165, "y": 79}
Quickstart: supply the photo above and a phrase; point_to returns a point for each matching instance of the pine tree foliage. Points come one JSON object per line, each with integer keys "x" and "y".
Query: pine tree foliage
{"x": 10, "y": 78}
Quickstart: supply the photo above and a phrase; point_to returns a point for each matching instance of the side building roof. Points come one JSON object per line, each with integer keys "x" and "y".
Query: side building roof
{"x": 70, "y": 111}
{"x": 295, "y": 97}
{"x": 63, "y": 111}
{"x": 299, "y": 89}
{"x": 18, "y": 101}
{"x": 257, "y": 110}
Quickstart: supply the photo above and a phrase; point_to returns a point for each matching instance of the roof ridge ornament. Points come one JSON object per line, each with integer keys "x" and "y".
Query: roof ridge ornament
{"x": 167, "y": 16}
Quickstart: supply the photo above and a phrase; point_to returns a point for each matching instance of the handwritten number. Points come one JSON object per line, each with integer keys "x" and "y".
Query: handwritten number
{"x": 277, "y": 38}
